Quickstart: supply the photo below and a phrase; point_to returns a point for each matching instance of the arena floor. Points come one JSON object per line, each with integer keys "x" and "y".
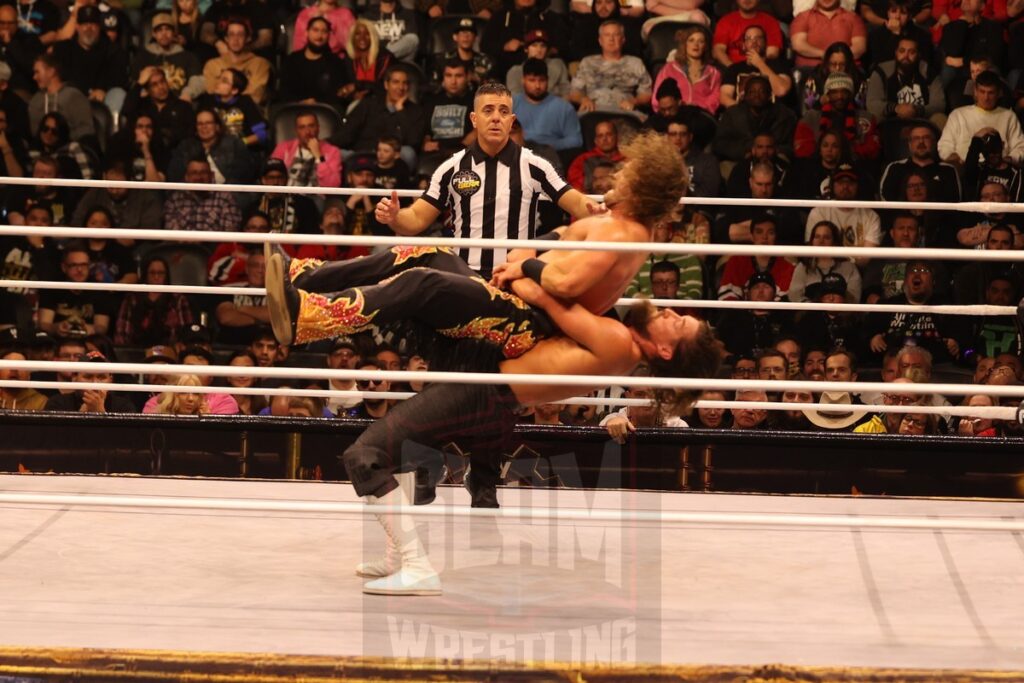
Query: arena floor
{"x": 671, "y": 594}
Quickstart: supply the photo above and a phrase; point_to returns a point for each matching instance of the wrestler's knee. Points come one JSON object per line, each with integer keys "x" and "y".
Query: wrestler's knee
{"x": 368, "y": 468}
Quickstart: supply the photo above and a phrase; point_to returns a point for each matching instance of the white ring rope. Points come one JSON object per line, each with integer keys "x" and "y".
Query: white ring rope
{"x": 991, "y": 412}
{"x": 227, "y": 290}
{"x": 978, "y": 207}
{"x": 510, "y": 378}
{"x": 275, "y": 391}
{"x": 1007, "y": 524}
{"x": 886, "y": 253}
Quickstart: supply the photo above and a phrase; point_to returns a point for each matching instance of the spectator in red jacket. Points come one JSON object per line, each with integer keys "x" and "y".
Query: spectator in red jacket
{"x": 606, "y": 148}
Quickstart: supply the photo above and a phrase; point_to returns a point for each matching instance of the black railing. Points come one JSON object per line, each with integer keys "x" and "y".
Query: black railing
{"x": 657, "y": 458}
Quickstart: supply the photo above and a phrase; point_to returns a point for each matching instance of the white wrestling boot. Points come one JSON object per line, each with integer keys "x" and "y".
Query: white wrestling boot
{"x": 391, "y": 562}
{"x": 416, "y": 575}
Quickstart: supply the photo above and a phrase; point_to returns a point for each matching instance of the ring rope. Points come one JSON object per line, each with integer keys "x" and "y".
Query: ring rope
{"x": 991, "y": 412}
{"x": 700, "y": 384}
{"x": 887, "y": 253}
{"x": 973, "y": 309}
{"x": 558, "y": 515}
{"x": 979, "y": 207}
{"x": 276, "y": 391}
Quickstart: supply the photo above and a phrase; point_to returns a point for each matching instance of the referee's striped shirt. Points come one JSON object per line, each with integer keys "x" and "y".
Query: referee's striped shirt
{"x": 493, "y": 197}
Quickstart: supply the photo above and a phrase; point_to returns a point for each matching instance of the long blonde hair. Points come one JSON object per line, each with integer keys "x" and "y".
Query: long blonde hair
{"x": 371, "y": 54}
{"x": 193, "y": 23}
{"x": 170, "y": 401}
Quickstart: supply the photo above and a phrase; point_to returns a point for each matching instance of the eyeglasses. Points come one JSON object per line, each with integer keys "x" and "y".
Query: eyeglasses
{"x": 899, "y": 399}
{"x": 367, "y": 383}
{"x": 914, "y": 421}
{"x": 920, "y": 271}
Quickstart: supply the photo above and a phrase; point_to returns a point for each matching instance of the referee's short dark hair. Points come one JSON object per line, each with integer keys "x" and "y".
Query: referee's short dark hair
{"x": 491, "y": 88}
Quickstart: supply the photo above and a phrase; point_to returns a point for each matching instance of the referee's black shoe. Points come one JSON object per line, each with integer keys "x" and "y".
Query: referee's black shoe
{"x": 282, "y": 299}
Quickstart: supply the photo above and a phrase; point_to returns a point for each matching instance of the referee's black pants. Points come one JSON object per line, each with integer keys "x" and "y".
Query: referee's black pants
{"x": 427, "y": 285}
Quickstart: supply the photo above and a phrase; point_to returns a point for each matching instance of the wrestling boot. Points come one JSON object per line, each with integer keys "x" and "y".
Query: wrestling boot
{"x": 417, "y": 575}
{"x": 271, "y": 248}
{"x": 483, "y": 494}
{"x": 282, "y": 298}
{"x": 391, "y": 561}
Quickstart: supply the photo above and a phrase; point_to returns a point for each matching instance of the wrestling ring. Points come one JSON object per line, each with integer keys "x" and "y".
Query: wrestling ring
{"x": 157, "y": 577}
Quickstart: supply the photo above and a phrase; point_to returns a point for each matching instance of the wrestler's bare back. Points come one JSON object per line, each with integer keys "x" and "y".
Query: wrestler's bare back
{"x": 619, "y": 271}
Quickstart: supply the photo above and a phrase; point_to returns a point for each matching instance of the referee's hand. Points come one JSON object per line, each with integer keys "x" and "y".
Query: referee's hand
{"x": 387, "y": 209}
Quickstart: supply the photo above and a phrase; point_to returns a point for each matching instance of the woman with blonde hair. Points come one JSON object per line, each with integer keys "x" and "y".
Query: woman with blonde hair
{"x": 183, "y": 403}
{"x": 369, "y": 61}
{"x": 699, "y": 82}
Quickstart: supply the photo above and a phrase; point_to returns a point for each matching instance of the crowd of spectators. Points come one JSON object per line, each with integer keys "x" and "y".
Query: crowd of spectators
{"x": 901, "y": 100}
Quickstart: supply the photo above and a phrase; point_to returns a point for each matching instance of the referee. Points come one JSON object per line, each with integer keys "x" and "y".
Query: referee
{"x": 491, "y": 188}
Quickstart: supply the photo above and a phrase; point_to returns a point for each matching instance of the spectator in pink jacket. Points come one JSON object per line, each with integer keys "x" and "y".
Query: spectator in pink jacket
{"x": 311, "y": 162}
{"x": 699, "y": 81}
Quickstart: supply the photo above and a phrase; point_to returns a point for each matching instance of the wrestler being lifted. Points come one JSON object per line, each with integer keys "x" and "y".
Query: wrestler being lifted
{"x": 312, "y": 300}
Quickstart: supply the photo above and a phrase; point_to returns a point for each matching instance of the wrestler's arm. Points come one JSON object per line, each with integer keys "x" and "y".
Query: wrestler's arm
{"x": 604, "y": 337}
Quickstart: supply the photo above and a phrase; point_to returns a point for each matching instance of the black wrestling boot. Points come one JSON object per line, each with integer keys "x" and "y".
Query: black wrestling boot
{"x": 283, "y": 299}
{"x": 426, "y": 487}
{"x": 483, "y": 494}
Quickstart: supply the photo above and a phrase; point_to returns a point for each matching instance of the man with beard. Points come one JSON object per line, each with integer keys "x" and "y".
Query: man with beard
{"x": 938, "y": 334}
{"x": 182, "y": 67}
{"x": 902, "y": 89}
{"x": 546, "y": 119}
{"x": 794, "y": 420}
{"x": 369, "y": 408}
{"x": 314, "y": 73}
{"x": 90, "y": 62}
{"x": 943, "y": 180}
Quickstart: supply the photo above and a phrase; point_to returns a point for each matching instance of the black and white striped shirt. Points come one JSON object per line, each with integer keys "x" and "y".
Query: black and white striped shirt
{"x": 493, "y": 197}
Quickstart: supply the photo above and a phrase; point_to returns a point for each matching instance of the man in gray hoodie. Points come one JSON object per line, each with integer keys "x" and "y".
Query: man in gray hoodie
{"x": 55, "y": 95}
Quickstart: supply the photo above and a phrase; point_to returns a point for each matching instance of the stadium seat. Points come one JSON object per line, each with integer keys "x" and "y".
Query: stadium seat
{"x": 282, "y": 119}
